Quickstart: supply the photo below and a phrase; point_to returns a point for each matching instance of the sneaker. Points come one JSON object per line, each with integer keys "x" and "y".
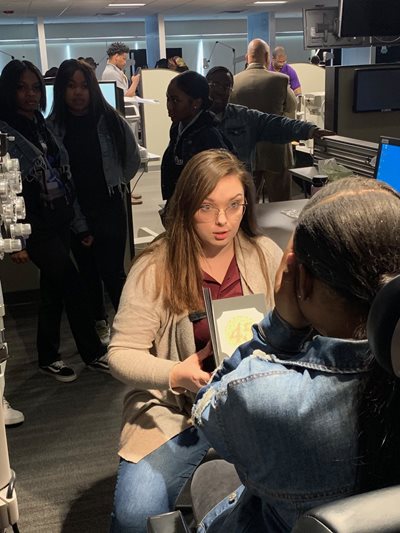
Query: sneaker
{"x": 59, "y": 371}
{"x": 136, "y": 199}
{"x": 12, "y": 417}
{"x": 103, "y": 331}
{"x": 100, "y": 364}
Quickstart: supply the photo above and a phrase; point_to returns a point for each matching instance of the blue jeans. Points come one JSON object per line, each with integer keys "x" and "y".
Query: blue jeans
{"x": 151, "y": 486}
{"x": 214, "y": 519}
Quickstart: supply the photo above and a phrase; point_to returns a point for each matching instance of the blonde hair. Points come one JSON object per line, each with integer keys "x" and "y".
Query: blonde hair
{"x": 179, "y": 248}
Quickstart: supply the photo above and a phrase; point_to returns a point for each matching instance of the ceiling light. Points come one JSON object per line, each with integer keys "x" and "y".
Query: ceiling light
{"x": 271, "y": 2}
{"x": 126, "y": 5}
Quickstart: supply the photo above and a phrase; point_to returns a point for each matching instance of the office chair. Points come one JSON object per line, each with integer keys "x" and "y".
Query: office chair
{"x": 376, "y": 511}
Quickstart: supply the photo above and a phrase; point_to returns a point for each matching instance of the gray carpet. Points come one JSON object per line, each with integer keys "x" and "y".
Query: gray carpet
{"x": 65, "y": 453}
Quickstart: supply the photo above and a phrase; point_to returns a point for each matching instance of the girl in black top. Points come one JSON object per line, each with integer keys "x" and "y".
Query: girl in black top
{"x": 194, "y": 128}
{"x": 104, "y": 157}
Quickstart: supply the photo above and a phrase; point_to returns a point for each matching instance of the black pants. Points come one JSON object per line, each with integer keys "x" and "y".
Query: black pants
{"x": 60, "y": 285}
{"x": 103, "y": 262}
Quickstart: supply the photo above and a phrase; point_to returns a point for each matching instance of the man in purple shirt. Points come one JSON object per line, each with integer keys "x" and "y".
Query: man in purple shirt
{"x": 279, "y": 64}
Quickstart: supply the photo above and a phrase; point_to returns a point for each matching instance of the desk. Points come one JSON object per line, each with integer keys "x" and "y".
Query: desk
{"x": 145, "y": 158}
{"x": 275, "y": 224}
{"x": 304, "y": 173}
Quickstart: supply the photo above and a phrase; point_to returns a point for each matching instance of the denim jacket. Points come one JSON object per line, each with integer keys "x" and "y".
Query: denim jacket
{"x": 283, "y": 410}
{"x": 116, "y": 175}
{"x": 32, "y": 163}
{"x": 245, "y": 127}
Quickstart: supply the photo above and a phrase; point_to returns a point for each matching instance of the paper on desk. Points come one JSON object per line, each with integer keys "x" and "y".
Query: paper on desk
{"x": 138, "y": 100}
{"x": 333, "y": 169}
{"x": 291, "y": 213}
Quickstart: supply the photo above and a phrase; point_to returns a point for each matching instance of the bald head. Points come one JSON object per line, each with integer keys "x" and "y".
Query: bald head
{"x": 258, "y": 52}
{"x": 279, "y": 51}
{"x": 279, "y": 58}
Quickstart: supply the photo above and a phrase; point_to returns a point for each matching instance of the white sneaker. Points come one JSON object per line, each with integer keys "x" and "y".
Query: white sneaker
{"x": 12, "y": 417}
{"x": 103, "y": 331}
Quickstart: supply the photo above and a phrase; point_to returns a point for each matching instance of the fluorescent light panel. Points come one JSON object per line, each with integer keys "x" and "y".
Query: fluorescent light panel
{"x": 271, "y": 2}
{"x": 126, "y": 5}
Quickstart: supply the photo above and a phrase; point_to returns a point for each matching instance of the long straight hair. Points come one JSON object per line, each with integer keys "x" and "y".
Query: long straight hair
{"x": 348, "y": 236}
{"x": 9, "y": 80}
{"x": 98, "y": 105}
{"x": 180, "y": 278}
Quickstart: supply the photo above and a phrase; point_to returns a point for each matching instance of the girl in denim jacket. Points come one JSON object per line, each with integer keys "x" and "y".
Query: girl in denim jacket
{"x": 304, "y": 411}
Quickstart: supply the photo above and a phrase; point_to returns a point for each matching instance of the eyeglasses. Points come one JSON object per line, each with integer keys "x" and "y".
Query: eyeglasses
{"x": 220, "y": 86}
{"x": 234, "y": 210}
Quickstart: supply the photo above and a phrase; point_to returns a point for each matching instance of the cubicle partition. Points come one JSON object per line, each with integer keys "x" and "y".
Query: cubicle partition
{"x": 155, "y": 121}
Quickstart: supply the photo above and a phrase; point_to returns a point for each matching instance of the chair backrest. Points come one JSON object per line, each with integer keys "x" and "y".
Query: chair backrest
{"x": 372, "y": 512}
{"x": 383, "y": 327}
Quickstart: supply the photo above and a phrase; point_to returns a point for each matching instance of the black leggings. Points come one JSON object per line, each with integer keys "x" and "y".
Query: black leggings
{"x": 103, "y": 262}
{"x": 60, "y": 285}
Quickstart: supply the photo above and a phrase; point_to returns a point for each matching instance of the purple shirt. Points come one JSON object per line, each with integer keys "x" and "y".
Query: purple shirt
{"x": 294, "y": 81}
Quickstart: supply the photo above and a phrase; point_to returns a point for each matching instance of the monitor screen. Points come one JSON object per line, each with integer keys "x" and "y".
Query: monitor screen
{"x": 388, "y": 162}
{"x": 108, "y": 88}
{"x": 376, "y": 89}
{"x": 369, "y": 17}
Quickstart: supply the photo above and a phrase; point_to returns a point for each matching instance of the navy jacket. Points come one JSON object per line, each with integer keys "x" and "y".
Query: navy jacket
{"x": 202, "y": 134}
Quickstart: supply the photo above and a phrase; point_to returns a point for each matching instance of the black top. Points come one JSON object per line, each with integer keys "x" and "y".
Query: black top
{"x": 202, "y": 134}
{"x": 82, "y": 143}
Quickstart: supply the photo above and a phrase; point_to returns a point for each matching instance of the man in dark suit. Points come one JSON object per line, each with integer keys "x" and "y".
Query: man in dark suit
{"x": 258, "y": 88}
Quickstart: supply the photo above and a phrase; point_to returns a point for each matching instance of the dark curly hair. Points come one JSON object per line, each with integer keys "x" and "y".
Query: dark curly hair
{"x": 117, "y": 48}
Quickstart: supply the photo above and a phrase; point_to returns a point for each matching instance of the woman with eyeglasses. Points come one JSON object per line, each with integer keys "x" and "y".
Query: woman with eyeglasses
{"x": 194, "y": 128}
{"x": 160, "y": 341}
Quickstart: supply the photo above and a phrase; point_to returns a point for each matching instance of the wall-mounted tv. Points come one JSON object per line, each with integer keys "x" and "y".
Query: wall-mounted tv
{"x": 369, "y": 18}
{"x": 321, "y": 30}
{"x": 376, "y": 89}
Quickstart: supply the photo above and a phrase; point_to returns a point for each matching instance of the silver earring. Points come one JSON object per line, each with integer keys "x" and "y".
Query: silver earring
{"x": 299, "y": 296}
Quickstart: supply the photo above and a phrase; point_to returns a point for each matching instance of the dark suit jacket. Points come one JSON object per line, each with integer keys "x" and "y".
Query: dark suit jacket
{"x": 258, "y": 88}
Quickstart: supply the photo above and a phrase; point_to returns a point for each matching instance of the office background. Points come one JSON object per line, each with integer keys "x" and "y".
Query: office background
{"x": 196, "y": 38}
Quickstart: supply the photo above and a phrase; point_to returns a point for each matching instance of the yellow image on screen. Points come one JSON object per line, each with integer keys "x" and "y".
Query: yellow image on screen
{"x": 238, "y": 330}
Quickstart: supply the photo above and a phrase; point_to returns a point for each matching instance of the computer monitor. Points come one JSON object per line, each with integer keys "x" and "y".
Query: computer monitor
{"x": 108, "y": 88}
{"x": 388, "y": 162}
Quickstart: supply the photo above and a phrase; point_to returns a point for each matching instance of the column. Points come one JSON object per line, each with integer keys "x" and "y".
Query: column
{"x": 155, "y": 39}
{"x": 261, "y": 26}
{"x": 44, "y": 65}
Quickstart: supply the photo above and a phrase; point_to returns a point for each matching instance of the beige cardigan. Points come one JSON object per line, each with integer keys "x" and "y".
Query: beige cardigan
{"x": 148, "y": 340}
